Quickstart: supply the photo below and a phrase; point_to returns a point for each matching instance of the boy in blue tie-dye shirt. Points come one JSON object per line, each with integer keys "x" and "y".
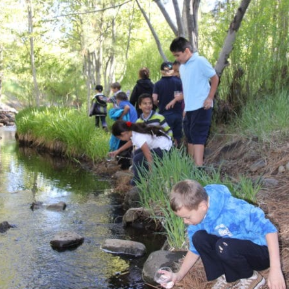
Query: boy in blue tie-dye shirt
{"x": 232, "y": 237}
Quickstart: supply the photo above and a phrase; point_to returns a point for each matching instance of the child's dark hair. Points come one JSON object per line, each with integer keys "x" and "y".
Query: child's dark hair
{"x": 116, "y": 85}
{"x": 99, "y": 88}
{"x": 180, "y": 44}
{"x": 121, "y": 96}
{"x": 121, "y": 126}
{"x": 144, "y": 95}
{"x": 144, "y": 73}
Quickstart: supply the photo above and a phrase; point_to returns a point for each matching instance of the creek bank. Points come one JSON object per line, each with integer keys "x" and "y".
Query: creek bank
{"x": 7, "y": 115}
{"x": 234, "y": 157}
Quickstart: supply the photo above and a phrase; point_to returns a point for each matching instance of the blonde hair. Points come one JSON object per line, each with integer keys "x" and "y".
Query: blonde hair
{"x": 188, "y": 194}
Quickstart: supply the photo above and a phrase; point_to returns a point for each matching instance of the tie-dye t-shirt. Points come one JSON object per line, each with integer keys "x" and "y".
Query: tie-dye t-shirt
{"x": 230, "y": 217}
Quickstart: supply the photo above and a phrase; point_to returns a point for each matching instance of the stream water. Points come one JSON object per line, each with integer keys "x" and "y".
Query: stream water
{"x": 27, "y": 260}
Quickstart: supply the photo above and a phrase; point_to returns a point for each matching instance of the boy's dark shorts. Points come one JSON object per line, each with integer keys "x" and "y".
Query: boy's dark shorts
{"x": 197, "y": 125}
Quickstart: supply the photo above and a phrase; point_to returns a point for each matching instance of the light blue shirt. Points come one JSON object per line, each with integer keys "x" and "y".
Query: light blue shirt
{"x": 195, "y": 75}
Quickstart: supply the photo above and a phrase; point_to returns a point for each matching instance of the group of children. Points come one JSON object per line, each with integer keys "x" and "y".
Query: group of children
{"x": 233, "y": 238}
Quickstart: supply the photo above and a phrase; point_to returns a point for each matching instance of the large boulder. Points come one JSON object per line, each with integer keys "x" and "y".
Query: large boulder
{"x": 66, "y": 240}
{"x": 159, "y": 259}
{"x": 125, "y": 247}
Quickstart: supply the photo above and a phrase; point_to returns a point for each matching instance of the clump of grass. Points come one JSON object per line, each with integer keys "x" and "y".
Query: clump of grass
{"x": 70, "y": 126}
{"x": 265, "y": 117}
{"x": 156, "y": 185}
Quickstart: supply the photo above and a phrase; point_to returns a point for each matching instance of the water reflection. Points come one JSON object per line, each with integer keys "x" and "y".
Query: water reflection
{"x": 93, "y": 211}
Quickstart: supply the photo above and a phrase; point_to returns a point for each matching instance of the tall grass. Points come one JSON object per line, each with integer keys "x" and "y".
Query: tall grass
{"x": 265, "y": 117}
{"x": 70, "y": 126}
{"x": 155, "y": 187}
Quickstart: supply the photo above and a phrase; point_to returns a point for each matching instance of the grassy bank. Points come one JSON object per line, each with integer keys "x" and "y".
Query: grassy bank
{"x": 71, "y": 127}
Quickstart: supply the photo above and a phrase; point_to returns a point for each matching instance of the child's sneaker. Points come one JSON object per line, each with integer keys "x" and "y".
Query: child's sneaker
{"x": 221, "y": 283}
{"x": 254, "y": 282}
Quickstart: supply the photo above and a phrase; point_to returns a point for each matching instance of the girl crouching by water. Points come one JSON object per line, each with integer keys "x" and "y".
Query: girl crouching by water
{"x": 148, "y": 141}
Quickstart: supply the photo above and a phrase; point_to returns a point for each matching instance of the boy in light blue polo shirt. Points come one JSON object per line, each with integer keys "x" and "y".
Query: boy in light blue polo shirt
{"x": 196, "y": 74}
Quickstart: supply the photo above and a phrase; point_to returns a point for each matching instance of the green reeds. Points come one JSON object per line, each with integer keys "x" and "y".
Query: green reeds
{"x": 73, "y": 128}
{"x": 155, "y": 186}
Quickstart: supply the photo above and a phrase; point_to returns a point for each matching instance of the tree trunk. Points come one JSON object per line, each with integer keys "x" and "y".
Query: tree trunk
{"x": 153, "y": 32}
{"x": 230, "y": 39}
{"x": 167, "y": 16}
{"x": 87, "y": 71}
{"x": 181, "y": 31}
{"x": 32, "y": 57}
{"x": 192, "y": 9}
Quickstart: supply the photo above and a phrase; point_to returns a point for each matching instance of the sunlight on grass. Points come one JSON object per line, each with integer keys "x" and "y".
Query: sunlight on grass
{"x": 266, "y": 118}
{"x": 70, "y": 126}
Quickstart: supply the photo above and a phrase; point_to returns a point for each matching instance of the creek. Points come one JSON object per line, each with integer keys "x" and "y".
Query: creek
{"x": 94, "y": 211}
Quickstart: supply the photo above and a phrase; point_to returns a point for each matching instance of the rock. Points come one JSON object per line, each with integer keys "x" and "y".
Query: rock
{"x": 159, "y": 259}
{"x": 56, "y": 207}
{"x": 36, "y": 205}
{"x": 125, "y": 247}
{"x": 281, "y": 169}
{"x": 135, "y": 214}
{"x": 66, "y": 240}
{"x": 270, "y": 182}
{"x": 4, "y": 226}
{"x": 121, "y": 174}
{"x": 287, "y": 166}
{"x": 131, "y": 199}
{"x": 257, "y": 165}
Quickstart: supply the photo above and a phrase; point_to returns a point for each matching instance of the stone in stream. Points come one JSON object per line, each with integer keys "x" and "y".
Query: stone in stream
{"x": 4, "y": 226}
{"x": 60, "y": 206}
{"x": 125, "y": 247}
{"x": 66, "y": 240}
{"x": 160, "y": 259}
{"x": 36, "y": 205}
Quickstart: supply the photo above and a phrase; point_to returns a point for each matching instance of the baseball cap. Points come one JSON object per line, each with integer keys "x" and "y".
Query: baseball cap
{"x": 167, "y": 66}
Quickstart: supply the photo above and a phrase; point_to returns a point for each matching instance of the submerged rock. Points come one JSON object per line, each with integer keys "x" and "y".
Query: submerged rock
{"x": 125, "y": 247}
{"x": 57, "y": 206}
{"x": 36, "y": 205}
{"x": 4, "y": 226}
{"x": 66, "y": 240}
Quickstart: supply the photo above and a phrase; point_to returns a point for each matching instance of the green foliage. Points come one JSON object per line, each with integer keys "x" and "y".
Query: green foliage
{"x": 70, "y": 126}
{"x": 155, "y": 187}
{"x": 260, "y": 48}
{"x": 265, "y": 117}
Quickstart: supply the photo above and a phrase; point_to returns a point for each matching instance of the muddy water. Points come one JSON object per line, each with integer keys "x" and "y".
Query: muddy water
{"x": 93, "y": 210}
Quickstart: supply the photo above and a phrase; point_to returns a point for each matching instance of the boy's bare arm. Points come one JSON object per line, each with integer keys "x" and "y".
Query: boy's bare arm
{"x": 187, "y": 264}
{"x": 155, "y": 99}
{"x": 275, "y": 278}
{"x": 214, "y": 85}
{"x": 127, "y": 145}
